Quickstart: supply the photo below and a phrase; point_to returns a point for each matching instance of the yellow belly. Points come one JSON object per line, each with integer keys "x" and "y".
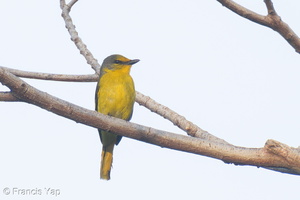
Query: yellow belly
{"x": 116, "y": 95}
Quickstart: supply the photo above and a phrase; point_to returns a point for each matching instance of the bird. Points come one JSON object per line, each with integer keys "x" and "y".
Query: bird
{"x": 115, "y": 96}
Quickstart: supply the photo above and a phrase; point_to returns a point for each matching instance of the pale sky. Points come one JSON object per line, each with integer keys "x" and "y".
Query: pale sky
{"x": 236, "y": 79}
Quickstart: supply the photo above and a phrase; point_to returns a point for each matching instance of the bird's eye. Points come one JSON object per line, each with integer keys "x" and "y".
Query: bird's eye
{"x": 118, "y": 62}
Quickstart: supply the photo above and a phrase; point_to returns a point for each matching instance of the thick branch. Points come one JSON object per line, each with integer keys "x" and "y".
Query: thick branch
{"x": 272, "y": 20}
{"x": 228, "y": 153}
{"x": 8, "y": 96}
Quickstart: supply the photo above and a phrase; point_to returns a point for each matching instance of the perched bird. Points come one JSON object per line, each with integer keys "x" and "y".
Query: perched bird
{"x": 115, "y": 96}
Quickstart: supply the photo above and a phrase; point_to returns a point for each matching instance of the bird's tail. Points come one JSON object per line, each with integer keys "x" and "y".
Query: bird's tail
{"x": 106, "y": 161}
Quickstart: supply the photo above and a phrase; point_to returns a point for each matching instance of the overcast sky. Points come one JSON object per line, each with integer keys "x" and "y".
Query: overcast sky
{"x": 236, "y": 79}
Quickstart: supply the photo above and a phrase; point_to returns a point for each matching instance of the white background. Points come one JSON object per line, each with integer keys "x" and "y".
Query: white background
{"x": 236, "y": 79}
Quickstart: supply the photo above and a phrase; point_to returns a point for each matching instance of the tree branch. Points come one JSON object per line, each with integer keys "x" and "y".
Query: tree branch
{"x": 270, "y": 7}
{"x": 74, "y": 35}
{"x": 54, "y": 77}
{"x": 269, "y": 156}
{"x": 244, "y": 12}
{"x": 178, "y": 120}
{"x": 272, "y": 20}
{"x": 8, "y": 96}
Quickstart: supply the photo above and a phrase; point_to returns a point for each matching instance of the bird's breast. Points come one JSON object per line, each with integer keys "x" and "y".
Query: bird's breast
{"x": 116, "y": 95}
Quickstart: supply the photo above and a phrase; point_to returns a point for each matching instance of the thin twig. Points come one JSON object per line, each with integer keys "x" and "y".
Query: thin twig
{"x": 54, "y": 77}
{"x": 270, "y": 7}
{"x": 75, "y": 38}
{"x": 178, "y": 120}
{"x": 70, "y": 5}
{"x": 244, "y": 12}
{"x": 272, "y": 20}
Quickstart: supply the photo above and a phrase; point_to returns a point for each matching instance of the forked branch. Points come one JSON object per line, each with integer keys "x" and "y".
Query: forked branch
{"x": 271, "y": 20}
{"x": 274, "y": 155}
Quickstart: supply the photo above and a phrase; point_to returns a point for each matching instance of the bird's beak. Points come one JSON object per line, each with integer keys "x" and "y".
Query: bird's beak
{"x": 132, "y": 62}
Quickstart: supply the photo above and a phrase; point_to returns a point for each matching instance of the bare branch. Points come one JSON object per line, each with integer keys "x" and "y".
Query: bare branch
{"x": 244, "y": 12}
{"x": 54, "y": 77}
{"x": 270, "y": 7}
{"x": 74, "y": 35}
{"x": 262, "y": 157}
{"x": 291, "y": 155}
{"x": 7, "y": 96}
{"x": 272, "y": 20}
{"x": 71, "y": 4}
{"x": 178, "y": 120}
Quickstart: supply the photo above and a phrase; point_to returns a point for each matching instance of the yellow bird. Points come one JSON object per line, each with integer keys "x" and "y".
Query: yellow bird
{"x": 115, "y": 96}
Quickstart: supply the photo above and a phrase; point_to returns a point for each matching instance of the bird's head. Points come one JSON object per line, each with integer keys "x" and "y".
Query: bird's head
{"x": 117, "y": 62}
